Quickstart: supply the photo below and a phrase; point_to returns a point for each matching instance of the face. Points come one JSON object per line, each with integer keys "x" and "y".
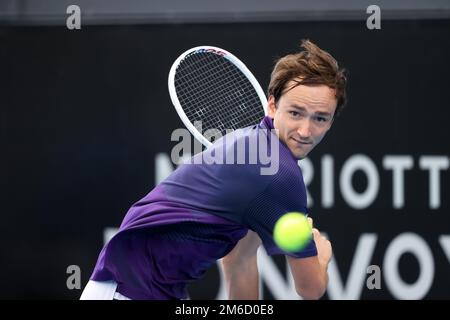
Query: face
{"x": 302, "y": 116}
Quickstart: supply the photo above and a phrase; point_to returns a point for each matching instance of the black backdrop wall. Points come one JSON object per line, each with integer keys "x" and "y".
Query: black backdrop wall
{"x": 86, "y": 120}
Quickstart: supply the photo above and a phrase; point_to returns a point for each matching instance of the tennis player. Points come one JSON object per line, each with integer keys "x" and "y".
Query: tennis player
{"x": 204, "y": 212}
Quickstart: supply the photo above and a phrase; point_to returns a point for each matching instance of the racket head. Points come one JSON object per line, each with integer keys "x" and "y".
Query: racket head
{"x": 211, "y": 85}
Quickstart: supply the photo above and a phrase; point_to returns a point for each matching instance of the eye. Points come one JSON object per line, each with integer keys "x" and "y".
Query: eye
{"x": 320, "y": 119}
{"x": 294, "y": 113}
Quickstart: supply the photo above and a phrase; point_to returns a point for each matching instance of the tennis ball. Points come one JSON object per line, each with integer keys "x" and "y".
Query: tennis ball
{"x": 292, "y": 232}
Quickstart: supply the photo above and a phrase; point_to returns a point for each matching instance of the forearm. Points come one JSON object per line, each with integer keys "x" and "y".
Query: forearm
{"x": 241, "y": 277}
{"x": 314, "y": 290}
{"x": 241, "y": 269}
{"x": 310, "y": 276}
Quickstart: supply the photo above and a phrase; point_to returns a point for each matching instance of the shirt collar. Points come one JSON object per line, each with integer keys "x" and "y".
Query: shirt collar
{"x": 267, "y": 122}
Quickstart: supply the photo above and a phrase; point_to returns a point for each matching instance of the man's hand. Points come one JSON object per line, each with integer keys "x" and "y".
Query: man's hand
{"x": 323, "y": 245}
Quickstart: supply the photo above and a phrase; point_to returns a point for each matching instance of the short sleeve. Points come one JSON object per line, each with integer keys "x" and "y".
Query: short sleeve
{"x": 284, "y": 194}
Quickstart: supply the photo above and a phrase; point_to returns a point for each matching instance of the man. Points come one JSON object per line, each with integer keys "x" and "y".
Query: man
{"x": 203, "y": 212}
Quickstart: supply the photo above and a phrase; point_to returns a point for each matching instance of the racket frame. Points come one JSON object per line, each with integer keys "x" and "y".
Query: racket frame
{"x": 233, "y": 59}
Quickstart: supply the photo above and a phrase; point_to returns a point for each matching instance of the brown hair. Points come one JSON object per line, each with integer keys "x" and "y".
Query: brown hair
{"x": 313, "y": 66}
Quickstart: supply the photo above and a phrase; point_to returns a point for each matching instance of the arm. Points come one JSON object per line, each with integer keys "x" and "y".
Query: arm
{"x": 241, "y": 269}
{"x": 310, "y": 274}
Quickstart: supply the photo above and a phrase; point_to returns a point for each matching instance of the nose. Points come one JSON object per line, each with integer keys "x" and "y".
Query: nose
{"x": 304, "y": 129}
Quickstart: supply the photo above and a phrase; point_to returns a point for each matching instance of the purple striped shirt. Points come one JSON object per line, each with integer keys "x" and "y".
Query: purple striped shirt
{"x": 197, "y": 215}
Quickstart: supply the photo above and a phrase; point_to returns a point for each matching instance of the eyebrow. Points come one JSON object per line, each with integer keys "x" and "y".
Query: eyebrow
{"x": 304, "y": 109}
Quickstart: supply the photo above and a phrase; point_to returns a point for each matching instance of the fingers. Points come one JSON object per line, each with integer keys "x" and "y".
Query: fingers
{"x": 315, "y": 232}
{"x": 310, "y": 220}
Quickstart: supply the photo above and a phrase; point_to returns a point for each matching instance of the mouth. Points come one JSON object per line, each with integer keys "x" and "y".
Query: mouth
{"x": 302, "y": 143}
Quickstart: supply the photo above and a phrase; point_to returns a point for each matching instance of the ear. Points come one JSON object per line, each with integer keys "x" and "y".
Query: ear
{"x": 271, "y": 107}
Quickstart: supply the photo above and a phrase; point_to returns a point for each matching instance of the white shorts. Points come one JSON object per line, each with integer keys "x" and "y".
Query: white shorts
{"x": 102, "y": 290}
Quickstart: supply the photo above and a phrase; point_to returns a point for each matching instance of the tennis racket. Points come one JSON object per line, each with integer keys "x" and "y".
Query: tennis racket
{"x": 212, "y": 86}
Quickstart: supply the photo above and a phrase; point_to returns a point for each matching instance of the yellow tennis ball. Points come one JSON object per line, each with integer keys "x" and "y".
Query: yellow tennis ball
{"x": 292, "y": 232}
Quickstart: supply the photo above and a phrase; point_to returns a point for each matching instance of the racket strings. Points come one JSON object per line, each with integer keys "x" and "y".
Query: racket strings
{"x": 215, "y": 94}
{"x": 211, "y": 89}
